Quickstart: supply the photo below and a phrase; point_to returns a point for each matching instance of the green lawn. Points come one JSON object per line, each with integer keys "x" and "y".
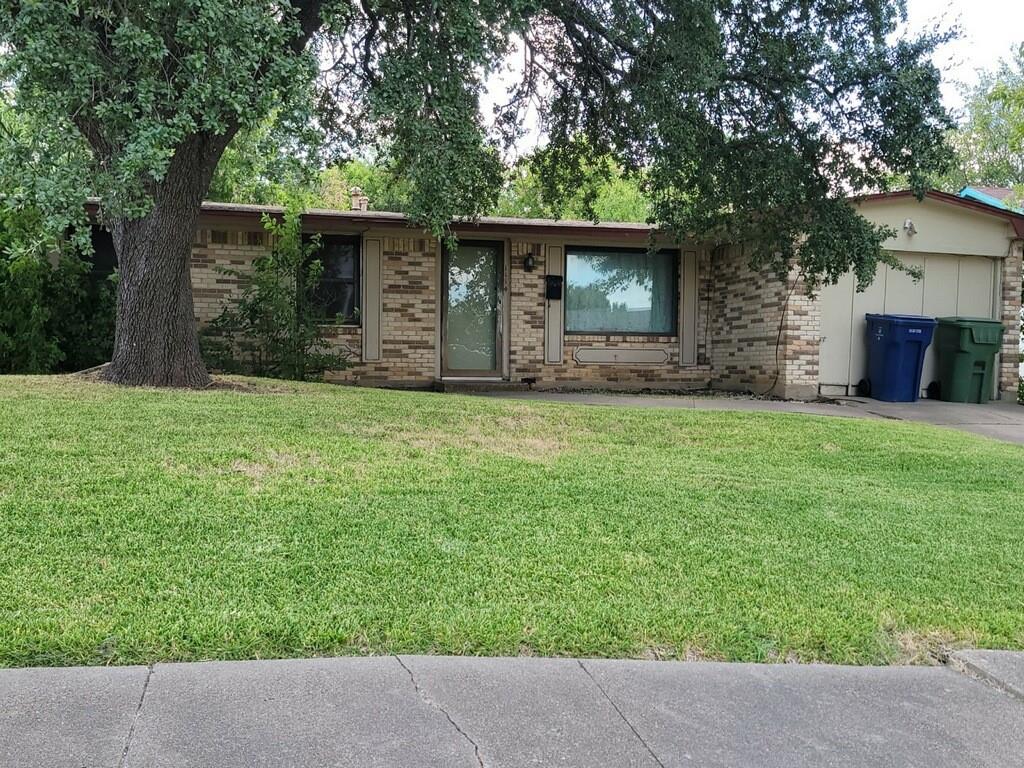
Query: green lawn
{"x": 140, "y": 526}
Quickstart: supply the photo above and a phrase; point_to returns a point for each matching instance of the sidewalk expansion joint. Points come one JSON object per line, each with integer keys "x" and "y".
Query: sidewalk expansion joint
{"x": 973, "y": 671}
{"x": 135, "y": 718}
{"x": 620, "y": 713}
{"x": 435, "y": 705}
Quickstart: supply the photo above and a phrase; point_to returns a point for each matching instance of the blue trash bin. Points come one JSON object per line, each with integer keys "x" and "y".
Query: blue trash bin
{"x": 896, "y": 347}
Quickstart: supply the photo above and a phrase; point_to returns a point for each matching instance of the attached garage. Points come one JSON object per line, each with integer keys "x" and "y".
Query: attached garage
{"x": 959, "y": 245}
{"x": 952, "y": 285}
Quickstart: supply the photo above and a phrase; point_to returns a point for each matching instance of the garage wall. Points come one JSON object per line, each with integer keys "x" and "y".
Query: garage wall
{"x": 939, "y": 227}
{"x": 952, "y": 285}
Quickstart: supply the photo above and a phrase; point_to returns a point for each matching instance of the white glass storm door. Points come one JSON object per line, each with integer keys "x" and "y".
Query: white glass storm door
{"x": 471, "y": 319}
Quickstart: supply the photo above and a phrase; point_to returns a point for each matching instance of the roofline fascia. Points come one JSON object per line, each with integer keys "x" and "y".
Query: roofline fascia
{"x": 1015, "y": 219}
{"x": 402, "y": 221}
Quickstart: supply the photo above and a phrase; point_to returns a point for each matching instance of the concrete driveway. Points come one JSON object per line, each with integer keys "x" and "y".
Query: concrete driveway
{"x": 425, "y": 711}
{"x": 1000, "y": 420}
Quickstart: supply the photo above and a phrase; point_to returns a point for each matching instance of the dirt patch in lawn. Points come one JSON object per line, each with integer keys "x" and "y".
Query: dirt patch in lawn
{"x": 275, "y": 463}
{"x": 928, "y": 647}
{"x": 521, "y": 433}
{"x": 217, "y": 383}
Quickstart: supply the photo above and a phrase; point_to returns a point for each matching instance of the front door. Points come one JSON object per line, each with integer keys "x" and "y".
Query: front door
{"x": 471, "y": 318}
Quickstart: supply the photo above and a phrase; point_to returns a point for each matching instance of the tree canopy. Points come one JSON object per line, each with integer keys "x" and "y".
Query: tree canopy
{"x": 600, "y": 191}
{"x": 750, "y": 120}
{"x": 989, "y": 143}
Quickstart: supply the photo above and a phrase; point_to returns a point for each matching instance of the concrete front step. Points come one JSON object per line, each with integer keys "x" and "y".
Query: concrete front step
{"x": 471, "y": 386}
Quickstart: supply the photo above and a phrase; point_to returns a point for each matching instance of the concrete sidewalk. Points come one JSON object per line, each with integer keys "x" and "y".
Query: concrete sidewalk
{"x": 1000, "y": 420}
{"x": 442, "y": 711}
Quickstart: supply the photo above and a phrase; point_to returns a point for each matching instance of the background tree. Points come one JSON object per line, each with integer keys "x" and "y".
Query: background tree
{"x": 601, "y": 192}
{"x": 379, "y": 181}
{"x": 266, "y": 164}
{"x": 989, "y": 144}
{"x": 1007, "y": 96}
{"x": 752, "y": 121}
{"x": 56, "y": 309}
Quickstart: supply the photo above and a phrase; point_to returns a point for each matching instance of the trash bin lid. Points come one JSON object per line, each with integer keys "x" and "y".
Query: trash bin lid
{"x": 961, "y": 320}
{"x": 914, "y": 319}
{"x": 989, "y": 333}
{"x": 984, "y": 330}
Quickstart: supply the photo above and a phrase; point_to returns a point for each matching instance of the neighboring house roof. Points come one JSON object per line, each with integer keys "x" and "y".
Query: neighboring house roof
{"x": 995, "y": 196}
{"x": 998, "y": 209}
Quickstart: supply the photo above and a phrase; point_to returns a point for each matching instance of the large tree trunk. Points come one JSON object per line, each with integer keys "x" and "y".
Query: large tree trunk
{"x": 156, "y": 342}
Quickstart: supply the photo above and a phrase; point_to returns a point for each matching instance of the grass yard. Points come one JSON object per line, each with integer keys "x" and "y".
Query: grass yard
{"x": 299, "y": 520}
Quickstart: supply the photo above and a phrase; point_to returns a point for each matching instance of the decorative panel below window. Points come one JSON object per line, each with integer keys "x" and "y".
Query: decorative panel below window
{"x": 337, "y": 296}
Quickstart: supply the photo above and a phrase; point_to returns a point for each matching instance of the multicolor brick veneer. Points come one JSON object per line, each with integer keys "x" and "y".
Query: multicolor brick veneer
{"x": 736, "y": 325}
{"x": 752, "y": 331}
{"x": 1013, "y": 275}
{"x": 234, "y": 250}
{"x": 526, "y": 353}
{"x": 408, "y": 318}
{"x": 764, "y": 332}
{"x": 216, "y": 253}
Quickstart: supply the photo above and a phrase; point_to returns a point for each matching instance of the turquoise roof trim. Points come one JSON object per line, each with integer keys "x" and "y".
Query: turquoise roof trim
{"x": 971, "y": 193}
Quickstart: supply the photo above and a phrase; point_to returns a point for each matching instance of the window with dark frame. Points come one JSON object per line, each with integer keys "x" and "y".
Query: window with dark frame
{"x": 337, "y": 295}
{"x": 628, "y": 291}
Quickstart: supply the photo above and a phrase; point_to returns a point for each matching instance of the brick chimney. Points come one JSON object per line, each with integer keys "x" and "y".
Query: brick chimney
{"x": 360, "y": 202}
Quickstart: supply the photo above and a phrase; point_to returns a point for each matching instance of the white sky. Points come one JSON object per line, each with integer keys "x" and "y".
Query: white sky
{"x": 990, "y": 30}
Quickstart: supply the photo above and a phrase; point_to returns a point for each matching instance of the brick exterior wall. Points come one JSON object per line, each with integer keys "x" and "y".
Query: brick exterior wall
{"x": 408, "y": 318}
{"x": 235, "y": 250}
{"x": 409, "y": 284}
{"x": 526, "y": 300}
{"x": 211, "y": 289}
{"x": 751, "y": 351}
{"x": 737, "y": 324}
{"x": 526, "y": 348}
{"x": 1012, "y": 278}
{"x": 801, "y": 342}
{"x": 737, "y": 335}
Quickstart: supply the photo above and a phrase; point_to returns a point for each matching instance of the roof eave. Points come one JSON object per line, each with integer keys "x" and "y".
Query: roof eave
{"x": 1016, "y": 220}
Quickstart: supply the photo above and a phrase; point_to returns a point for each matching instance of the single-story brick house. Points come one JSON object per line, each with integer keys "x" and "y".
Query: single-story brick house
{"x": 578, "y": 304}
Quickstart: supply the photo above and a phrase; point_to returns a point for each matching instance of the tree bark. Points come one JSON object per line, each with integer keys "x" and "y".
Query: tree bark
{"x": 156, "y": 340}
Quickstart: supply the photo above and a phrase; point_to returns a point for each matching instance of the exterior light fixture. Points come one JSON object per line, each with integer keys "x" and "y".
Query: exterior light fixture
{"x": 909, "y": 227}
{"x": 529, "y": 262}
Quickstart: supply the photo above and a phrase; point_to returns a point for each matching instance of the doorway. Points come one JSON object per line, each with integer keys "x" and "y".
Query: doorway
{"x": 471, "y": 319}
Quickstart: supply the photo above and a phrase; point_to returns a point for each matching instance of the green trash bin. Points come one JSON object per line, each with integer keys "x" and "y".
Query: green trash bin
{"x": 965, "y": 350}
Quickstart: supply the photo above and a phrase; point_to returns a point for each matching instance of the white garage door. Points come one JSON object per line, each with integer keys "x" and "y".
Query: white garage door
{"x": 952, "y": 285}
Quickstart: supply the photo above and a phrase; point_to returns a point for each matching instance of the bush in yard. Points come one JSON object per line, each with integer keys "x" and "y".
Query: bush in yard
{"x": 26, "y": 345}
{"x": 275, "y": 328}
{"x": 55, "y": 316}
{"x": 82, "y": 308}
